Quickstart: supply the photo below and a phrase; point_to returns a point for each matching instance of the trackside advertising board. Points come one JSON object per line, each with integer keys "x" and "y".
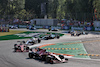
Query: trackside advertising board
{"x": 97, "y": 29}
{"x": 77, "y": 28}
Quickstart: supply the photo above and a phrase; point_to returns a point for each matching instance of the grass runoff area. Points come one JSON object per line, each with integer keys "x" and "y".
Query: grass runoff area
{"x": 73, "y": 48}
{"x": 11, "y": 35}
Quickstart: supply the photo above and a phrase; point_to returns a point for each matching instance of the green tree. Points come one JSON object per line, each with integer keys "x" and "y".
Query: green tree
{"x": 34, "y": 5}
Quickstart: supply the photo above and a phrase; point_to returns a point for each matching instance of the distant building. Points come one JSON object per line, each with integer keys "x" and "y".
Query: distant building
{"x": 44, "y": 22}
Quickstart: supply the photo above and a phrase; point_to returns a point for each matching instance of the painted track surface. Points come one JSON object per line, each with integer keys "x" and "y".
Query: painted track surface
{"x": 10, "y": 59}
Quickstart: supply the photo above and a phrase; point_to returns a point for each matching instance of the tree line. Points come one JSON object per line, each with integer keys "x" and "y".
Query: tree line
{"x": 83, "y": 10}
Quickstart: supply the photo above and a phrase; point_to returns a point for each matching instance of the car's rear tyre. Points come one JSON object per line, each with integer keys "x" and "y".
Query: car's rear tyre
{"x": 27, "y": 48}
{"x": 30, "y": 55}
{"x": 15, "y": 45}
{"x": 48, "y": 59}
{"x": 23, "y": 41}
{"x": 51, "y": 62}
{"x": 39, "y": 40}
{"x": 43, "y": 57}
{"x": 46, "y": 38}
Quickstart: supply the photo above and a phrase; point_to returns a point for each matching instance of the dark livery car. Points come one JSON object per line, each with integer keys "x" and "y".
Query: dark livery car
{"x": 51, "y": 36}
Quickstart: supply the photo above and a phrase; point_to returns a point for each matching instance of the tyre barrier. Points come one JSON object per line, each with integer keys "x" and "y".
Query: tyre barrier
{"x": 89, "y": 55}
{"x": 62, "y": 48}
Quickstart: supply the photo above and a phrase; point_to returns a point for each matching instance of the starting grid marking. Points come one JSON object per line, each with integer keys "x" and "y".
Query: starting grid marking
{"x": 89, "y": 54}
{"x": 62, "y": 48}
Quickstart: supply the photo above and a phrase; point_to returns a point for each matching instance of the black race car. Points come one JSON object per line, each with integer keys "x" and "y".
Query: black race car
{"x": 53, "y": 29}
{"x": 50, "y": 36}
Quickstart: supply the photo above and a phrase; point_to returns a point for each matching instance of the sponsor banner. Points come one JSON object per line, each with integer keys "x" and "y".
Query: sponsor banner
{"x": 77, "y": 28}
{"x": 22, "y": 26}
{"x": 97, "y": 29}
{"x": 88, "y": 28}
{"x": 38, "y": 26}
{"x": 65, "y": 27}
{"x": 45, "y": 27}
{"x": 84, "y": 28}
{"x": 55, "y": 27}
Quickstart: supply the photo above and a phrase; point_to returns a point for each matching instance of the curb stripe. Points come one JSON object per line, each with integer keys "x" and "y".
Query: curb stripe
{"x": 62, "y": 48}
{"x": 54, "y": 48}
{"x": 97, "y": 55}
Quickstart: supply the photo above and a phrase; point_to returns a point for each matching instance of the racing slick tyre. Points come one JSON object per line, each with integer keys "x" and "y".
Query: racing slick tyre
{"x": 46, "y": 38}
{"x": 58, "y": 37}
{"x": 86, "y": 33}
{"x": 15, "y": 45}
{"x": 39, "y": 40}
{"x": 43, "y": 57}
{"x": 48, "y": 59}
{"x": 15, "y": 48}
{"x": 30, "y": 55}
{"x": 72, "y": 34}
{"x": 61, "y": 56}
{"x": 69, "y": 32}
{"x": 51, "y": 62}
{"x": 66, "y": 59}
{"x": 23, "y": 41}
{"x": 27, "y": 48}
{"x": 48, "y": 29}
{"x": 78, "y": 34}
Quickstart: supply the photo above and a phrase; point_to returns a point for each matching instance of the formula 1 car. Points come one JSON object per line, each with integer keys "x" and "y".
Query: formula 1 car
{"x": 48, "y": 57}
{"x": 21, "y": 47}
{"x": 84, "y": 33}
{"x": 38, "y": 53}
{"x": 31, "y": 28}
{"x": 50, "y": 36}
{"x": 75, "y": 34}
{"x": 52, "y": 58}
{"x": 71, "y": 31}
{"x": 33, "y": 41}
{"x": 53, "y": 29}
{"x": 13, "y": 27}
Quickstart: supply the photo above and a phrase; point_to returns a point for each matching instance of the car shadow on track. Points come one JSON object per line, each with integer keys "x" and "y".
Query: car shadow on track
{"x": 41, "y": 61}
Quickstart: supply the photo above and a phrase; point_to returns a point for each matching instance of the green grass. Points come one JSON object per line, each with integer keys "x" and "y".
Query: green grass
{"x": 11, "y": 37}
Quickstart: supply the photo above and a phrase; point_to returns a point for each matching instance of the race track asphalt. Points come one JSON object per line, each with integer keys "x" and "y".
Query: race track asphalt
{"x": 8, "y": 58}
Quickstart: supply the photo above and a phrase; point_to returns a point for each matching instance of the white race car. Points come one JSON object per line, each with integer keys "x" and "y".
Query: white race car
{"x": 13, "y": 27}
